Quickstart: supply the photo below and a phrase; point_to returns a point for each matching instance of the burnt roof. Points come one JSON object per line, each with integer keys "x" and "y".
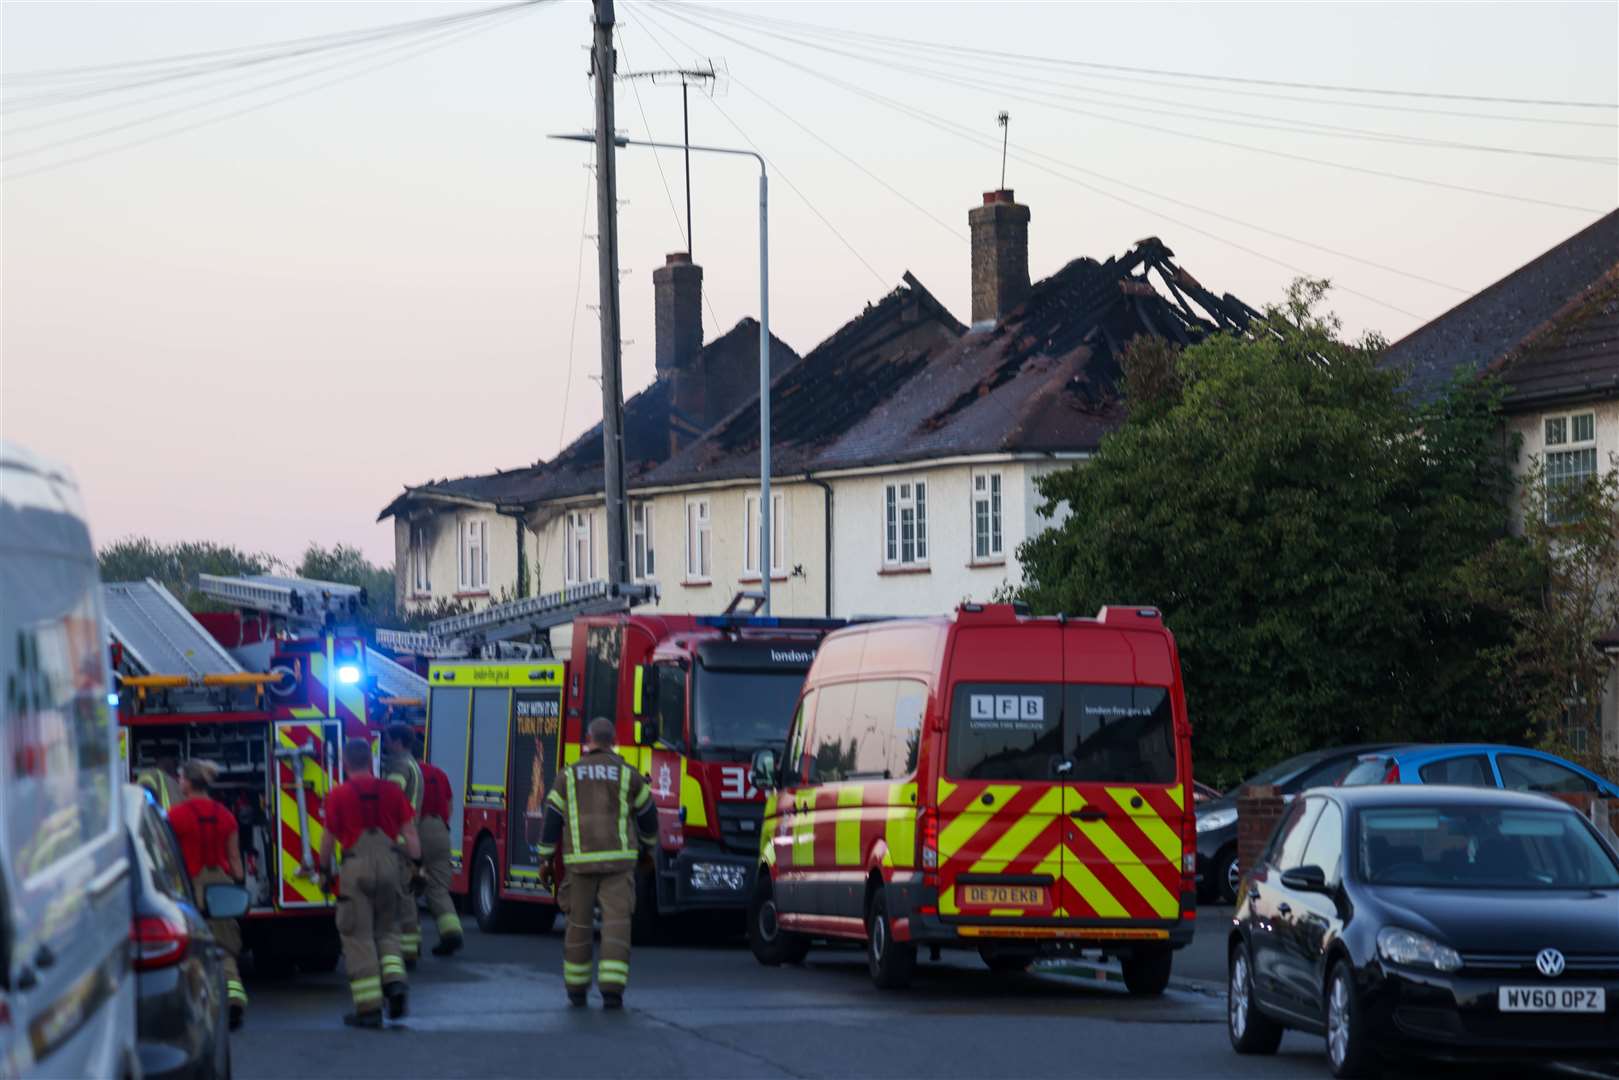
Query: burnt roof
{"x": 1574, "y": 358}
{"x": 1488, "y": 328}
{"x": 1045, "y": 379}
{"x": 500, "y": 488}
{"x": 842, "y": 379}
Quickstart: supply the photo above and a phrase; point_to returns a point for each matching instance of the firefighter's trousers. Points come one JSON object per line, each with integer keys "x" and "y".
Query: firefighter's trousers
{"x": 578, "y": 898}
{"x": 368, "y": 919}
{"x": 410, "y": 920}
{"x": 435, "y": 836}
{"x": 228, "y": 932}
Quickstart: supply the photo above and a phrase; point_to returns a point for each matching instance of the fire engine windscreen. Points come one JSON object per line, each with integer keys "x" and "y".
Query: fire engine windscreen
{"x": 736, "y": 712}
{"x": 1079, "y": 733}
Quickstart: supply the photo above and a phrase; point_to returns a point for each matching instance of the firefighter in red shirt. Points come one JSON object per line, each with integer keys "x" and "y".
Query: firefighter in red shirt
{"x": 365, "y": 814}
{"x": 210, "y": 838}
{"x": 438, "y": 802}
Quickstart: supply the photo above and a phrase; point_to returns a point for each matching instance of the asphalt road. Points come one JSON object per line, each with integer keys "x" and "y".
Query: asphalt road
{"x": 709, "y": 1010}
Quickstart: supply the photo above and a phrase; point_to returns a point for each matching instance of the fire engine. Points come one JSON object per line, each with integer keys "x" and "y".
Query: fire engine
{"x": 692, "y": 698}
{"x": 269, "y": 692}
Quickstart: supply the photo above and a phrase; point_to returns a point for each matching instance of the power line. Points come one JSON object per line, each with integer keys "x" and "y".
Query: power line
{"x": 951, "y": 128}
{"x": 1265, "y": 121}
{"x": 911, "y": 46}
{"x": 448, "y": 38}
{"x": 1328, "y": 87}
{"x": 1267, "y": 151}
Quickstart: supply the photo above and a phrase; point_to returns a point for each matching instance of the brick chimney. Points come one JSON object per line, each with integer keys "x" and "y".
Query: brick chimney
{"x": 1000, "y": 231}
{"x": 677, "y": 303}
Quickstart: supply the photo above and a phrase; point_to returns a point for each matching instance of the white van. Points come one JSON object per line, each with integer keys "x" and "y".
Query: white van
{"x": 67, "y": 998}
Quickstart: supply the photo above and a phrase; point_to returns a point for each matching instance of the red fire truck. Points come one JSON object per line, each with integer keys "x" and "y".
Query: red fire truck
{"x": 692, "y": 698}
{"x": 268, "y": 693}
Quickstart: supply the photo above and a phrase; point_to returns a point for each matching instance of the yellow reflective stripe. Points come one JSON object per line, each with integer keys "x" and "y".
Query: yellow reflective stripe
{"x": 642, "y": 799}
{"x": 393, "y": 965}
{"x": 573, "y": 810}
{"x": 1082, "y": 881}
{"x": 555, "y": 799}
{"x": 597, "y": 856}
{"x": 1179, "y": 795}
{"x": 959, "y": 831}
{"x": 623, "y": 807}
{"x": 398, "y": 779}
{"x": 546, "y": 850}
{"x": 1118, "y": 853}
{"x": 1011, "y": 843}
{"x": 613, "y": 967}
{"x": 448, "y": 923}
{"x": 899, "y": 831}
{"x": 846, "y": 824}
{"x": 1153, "y": 827}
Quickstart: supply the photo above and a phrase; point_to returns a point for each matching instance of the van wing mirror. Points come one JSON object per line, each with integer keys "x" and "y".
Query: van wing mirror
{"x": 640, "y": 701}
{"x": 648, "y": 731}
{"x": 764, "y": 769}
{"x": 225, "y": 901}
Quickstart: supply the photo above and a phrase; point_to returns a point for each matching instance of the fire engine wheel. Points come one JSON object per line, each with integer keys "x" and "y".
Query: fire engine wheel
{"x": 1146, "y": 971}
{"x": 772, "y": 946}
{"x": 892, "y": 962}
{"x": 492, "y": 913}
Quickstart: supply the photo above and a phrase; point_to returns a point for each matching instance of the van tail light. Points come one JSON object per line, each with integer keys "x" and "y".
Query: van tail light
{"x": 1393, "y": 775}
{"x": 1189, "y": 863}
{"x": 159, "y": 942}
{"x": 930, "y": 844}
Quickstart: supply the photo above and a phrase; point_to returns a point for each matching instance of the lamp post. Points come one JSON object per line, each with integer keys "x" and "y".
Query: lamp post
{"x": 765, "y": 523}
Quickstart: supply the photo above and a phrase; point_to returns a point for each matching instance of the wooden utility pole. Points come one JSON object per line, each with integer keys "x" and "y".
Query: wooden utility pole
{"x": 602, "y": 65}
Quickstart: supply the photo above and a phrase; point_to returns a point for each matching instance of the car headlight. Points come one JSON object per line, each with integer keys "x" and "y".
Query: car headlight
{"x": 1412, "y": 949}
{"x": 726, "y": 877}
{"x": 1216, "y": 819}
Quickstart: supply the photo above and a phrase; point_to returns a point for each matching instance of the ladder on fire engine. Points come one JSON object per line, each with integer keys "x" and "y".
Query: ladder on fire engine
{"x": 304, "y": 601}
{"x": 481, "y": 632}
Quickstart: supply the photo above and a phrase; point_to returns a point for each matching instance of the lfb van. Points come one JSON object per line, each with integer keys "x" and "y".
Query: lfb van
{"x": 1018, "y": 785}
{"x": 67, "y": 999}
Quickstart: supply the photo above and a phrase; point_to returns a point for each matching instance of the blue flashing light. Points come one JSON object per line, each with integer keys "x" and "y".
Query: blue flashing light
{"x": 348, "y": 674}
{"x": 112, "y": 701}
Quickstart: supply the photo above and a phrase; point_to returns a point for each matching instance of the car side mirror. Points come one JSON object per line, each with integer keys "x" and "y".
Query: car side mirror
{"x": 764, "y": 769}
{"x": 1305, "y": 879}
{"x": 224, "y": 901}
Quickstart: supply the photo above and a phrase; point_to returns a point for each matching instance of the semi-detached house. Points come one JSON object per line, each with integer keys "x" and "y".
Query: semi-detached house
{"x": 905, "y": 447}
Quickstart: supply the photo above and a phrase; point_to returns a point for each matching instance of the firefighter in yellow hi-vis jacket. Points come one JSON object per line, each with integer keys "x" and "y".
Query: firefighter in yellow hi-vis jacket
{"x": 399, "y": 765}
{"x": 600, "y": 814}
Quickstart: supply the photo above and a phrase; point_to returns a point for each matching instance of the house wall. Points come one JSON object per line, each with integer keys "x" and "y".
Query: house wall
{"x": 863, "y": 585}
{"x": 443, "y": 537}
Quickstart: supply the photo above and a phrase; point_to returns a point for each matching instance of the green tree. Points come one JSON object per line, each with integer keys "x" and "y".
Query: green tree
{"x": 176, "y": 566}
{"x": 1307, "y": 533}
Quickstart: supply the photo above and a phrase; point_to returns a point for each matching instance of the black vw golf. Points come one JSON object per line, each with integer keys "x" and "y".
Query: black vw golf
{"x": 1440, "y": 921}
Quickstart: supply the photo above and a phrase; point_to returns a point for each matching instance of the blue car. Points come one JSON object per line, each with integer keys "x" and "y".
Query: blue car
{"x": 1479, "y": 765}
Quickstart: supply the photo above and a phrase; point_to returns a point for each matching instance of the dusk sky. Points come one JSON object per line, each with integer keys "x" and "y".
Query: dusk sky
{"x": 258, "y": 330}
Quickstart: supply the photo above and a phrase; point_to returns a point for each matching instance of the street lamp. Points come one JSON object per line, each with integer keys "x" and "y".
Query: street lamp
{"x": 764, "y": 331}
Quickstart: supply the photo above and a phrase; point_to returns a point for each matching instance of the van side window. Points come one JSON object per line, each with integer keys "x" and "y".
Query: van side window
{"x": 868, "y": 730}
{"x": 603, "y": 647}
{"x": 796, "y": 769}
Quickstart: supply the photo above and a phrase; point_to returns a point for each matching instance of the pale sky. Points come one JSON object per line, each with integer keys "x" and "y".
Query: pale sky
{"x": 257, "y": 331}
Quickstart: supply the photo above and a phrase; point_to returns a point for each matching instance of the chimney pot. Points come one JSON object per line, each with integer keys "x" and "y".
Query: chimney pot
{"x": 678, "y": 258}
{"x": 1000, "y": 257}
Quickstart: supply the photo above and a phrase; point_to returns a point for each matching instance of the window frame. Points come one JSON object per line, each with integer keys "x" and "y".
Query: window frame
{"x": 899, "y": 496}
{"x": 699, "y": 541}
{"x": 1565, "y": 461}
{"x": 472, "y": 560}
{"x": 579, "y": 525}
{"x": 992, "y": 499}
{"x": 421, "y": 576}
{"x": 643, "y": 553}
{"x": 750, "y": 536}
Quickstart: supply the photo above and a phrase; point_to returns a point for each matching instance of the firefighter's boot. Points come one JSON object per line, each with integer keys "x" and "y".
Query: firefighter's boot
{"x": 398, "y": 1001}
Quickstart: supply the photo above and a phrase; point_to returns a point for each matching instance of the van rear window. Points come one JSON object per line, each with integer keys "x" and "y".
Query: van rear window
{"x": 1080, "y": 733}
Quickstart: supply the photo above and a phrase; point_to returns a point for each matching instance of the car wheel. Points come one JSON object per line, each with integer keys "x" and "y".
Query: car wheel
{"x": 1347, "y": 1051}
{"x": 1146, "y": 971}
{"x": 1227, "y": 876}
{"x": 892, "y": 962}
{"x": 1251, "y": 1031}
{"x": 772, "y": 946}
{"x": 487, "y": 907}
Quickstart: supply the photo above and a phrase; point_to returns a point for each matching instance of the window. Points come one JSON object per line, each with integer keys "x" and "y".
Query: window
{"x": 867, "y": 730}
{"x": 1520, "y": 772}
{"x": 163, "y": 855}
{"x": 1470, "y": 771}
{"x": 1081, "y": 733}
{"x": 641, "y": 541}
{"x": 671, "y": 688}
{"x": 1287, "y": 846}
{"x": 905, "y": 520}
{"x": 419, "y": 580}
{"x": 797, "y": 769}
{"x": 474, "y": 556}
{"x": 1326, "y": 847}
{"x": 699, "y": 536}
{"x": 1481, "y": 847}
{"x": 491, "y": 717}
{"x": 750, "y": 535}
{"x": 1571, "y": 453}
{"x": 581, "y": 552}
{"x": 604, "y": 645}
{"x": 987, "y": 539}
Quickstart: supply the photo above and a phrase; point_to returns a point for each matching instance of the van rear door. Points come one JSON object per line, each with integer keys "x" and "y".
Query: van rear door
{"x": 1122, "y": 799}
{"x": 1000, "y": 802}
